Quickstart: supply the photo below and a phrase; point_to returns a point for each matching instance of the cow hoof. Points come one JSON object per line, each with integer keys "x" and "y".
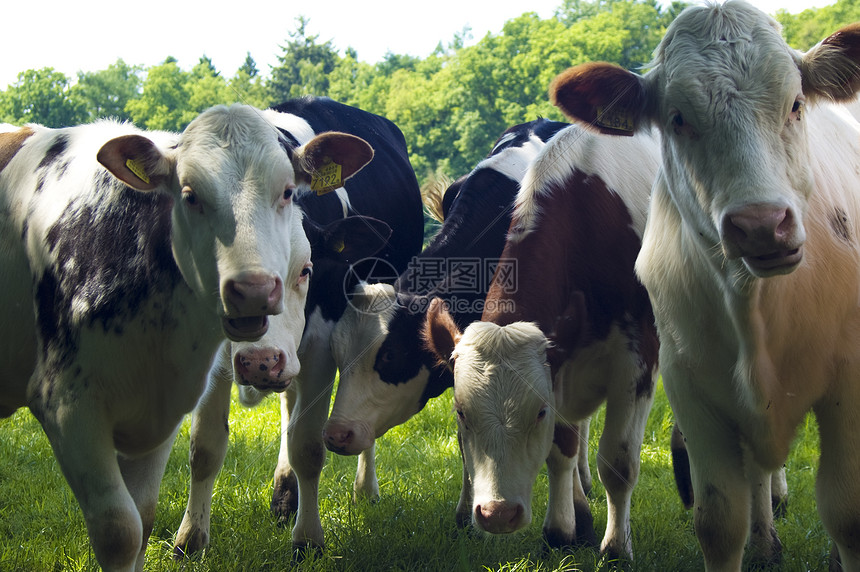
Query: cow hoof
{"x": 585, "y": 535}
{"x": 612, "y": 557}
{"x": 285, "y": 498}
{"x": 557, "y": 538}
{"x": 189, "y": 544}
{"x": 766, "y": 553}
{"x": 303, "y": 551}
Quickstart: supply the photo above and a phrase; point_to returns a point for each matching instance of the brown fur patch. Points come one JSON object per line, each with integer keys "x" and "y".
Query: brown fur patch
{"x": 566, "y": 437}
{"x": 10, "y": 144}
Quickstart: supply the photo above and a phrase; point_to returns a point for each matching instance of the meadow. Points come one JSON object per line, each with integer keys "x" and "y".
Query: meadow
{"x": 411, "y": 526}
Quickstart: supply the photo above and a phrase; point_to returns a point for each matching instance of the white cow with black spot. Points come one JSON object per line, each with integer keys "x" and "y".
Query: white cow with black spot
{"x": 128, "y": 257}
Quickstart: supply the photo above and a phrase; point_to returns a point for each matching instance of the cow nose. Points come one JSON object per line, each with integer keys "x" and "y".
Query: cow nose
{"x": 253, "y": 295}
{"x": 499, "y": 517}
{"x": 338, "y": 438}
{"x": 759, "y": 229}
{"x": 262, "y": 368}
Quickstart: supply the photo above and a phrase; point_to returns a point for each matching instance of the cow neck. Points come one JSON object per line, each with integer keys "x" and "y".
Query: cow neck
{"x": 582, "y": 241}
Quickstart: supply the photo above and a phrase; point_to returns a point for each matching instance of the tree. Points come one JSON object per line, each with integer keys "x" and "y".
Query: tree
{"x": 249, "y": 66}
{"x": 42, "y": 96}
{"x": 804, "y": 30}
{"x": 304, "y": 65}
{"x": 164, "y": 101}
{"x": 205, "y": 87}
{"x": 106, "y": 93}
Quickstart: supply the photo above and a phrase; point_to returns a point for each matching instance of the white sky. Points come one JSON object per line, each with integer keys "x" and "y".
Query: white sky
{"x": 89, "y": 35}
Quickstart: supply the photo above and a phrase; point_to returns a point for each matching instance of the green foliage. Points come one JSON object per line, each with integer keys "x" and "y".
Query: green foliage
{"x": 41, "y": 96}
{"x": 163, "y": 103}
{"x": 804, "y": 30}
{"x": 411, "y": 527}
{"x": 106, "y": 93}
{"x": 451, "y": 105}
{"x": 305, "y": 65}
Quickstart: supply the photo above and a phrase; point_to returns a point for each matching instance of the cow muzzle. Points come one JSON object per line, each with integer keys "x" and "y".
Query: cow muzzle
{"x": 766, "y": 236}
{"x": 499, "y": 517}
{"x": 347, "y": 438}
{"x": 248, "y": 300}
{"x": 264, "y": 369}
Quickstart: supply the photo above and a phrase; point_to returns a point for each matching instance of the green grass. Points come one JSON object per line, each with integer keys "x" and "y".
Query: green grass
{"x": 411, "y": 527}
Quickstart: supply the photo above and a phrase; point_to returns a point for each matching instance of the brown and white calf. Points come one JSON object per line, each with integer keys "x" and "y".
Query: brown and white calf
{"x": 574, "y": 235}
{"x": 751, "y": 257}
{"x": 128, "y": 257}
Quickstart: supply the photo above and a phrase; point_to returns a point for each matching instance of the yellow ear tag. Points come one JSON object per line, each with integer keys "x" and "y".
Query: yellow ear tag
{"x": 136, "y": 167}
{"x": 339, "y": 246}
{"x": 326, "y": 178}
{"x": 615, "y": 118}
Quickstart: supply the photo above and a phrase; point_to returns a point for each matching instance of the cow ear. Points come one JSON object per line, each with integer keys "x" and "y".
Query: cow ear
{"x": 348, "y": 239}
{"x": 136, "y": 161}
{"x": 603, "y": 96}
{"x": 329, "y": 159}
{"x": 567, "y": 332}
{"x": 440, "y": 332}
{"x": 832, "y": 68}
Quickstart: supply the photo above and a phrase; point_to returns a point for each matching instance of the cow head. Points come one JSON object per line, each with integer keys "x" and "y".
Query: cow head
{"x": 730, "y": 99}
{"x": 270, "y": 363}
{"x": 384, "y": 368}
{"x": 236, "y": 235}
{"x": 505, "y": 403}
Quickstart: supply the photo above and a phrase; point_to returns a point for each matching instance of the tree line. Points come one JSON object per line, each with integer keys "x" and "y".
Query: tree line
{"x": 451, "y": 105}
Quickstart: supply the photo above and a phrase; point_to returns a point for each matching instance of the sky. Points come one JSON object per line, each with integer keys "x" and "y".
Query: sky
{"x": 89, "y": 35}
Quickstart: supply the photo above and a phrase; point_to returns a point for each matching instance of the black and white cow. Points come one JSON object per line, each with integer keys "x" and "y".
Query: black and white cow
{"x": 128, "y": 256}
{"x": 385, "y": 190}
{"x": 386, "y": 373}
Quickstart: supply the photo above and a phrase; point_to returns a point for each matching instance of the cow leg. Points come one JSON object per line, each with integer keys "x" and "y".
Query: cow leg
{"x": 142, "y": 477}
{"x": 285, "y": 496}
{"x": 568, "y": 517}
{"x": 779, "y": 493}
{"x": 209, "y": 437}
{"x": 366, "y": 486}
{"x": 306, "y": 449}
{"x": 84, "y": 449}
{"x": 765, "y": 547}
{"x": 582, "y": 456}
{"x": 618, "y": 461}
{"x": 721, "y": 513}
{"x": 836, "y": 490}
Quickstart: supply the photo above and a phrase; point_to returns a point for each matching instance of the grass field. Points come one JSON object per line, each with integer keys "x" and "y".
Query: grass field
{"x": 411, "y": 527}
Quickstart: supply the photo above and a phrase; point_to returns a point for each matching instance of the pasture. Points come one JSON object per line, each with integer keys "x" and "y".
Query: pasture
{"x": 411, "y": 527}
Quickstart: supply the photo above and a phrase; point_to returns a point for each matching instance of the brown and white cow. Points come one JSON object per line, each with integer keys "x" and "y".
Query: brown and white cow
{"x": 575, "y": 235}
{"x": 751, "y": 257}
{"x": 128, "y": 257}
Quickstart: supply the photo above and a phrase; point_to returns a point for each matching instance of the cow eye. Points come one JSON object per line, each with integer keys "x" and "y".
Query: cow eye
{"x": 795, "y": 107}
{"x": 189, "y": 197}
{"x": 541, "y": 414}
{"x": 306, "y": 273}
{"x": 678, "y": 120}
{"x": 461, "y": 417}
{"x": 286, "y": 196}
